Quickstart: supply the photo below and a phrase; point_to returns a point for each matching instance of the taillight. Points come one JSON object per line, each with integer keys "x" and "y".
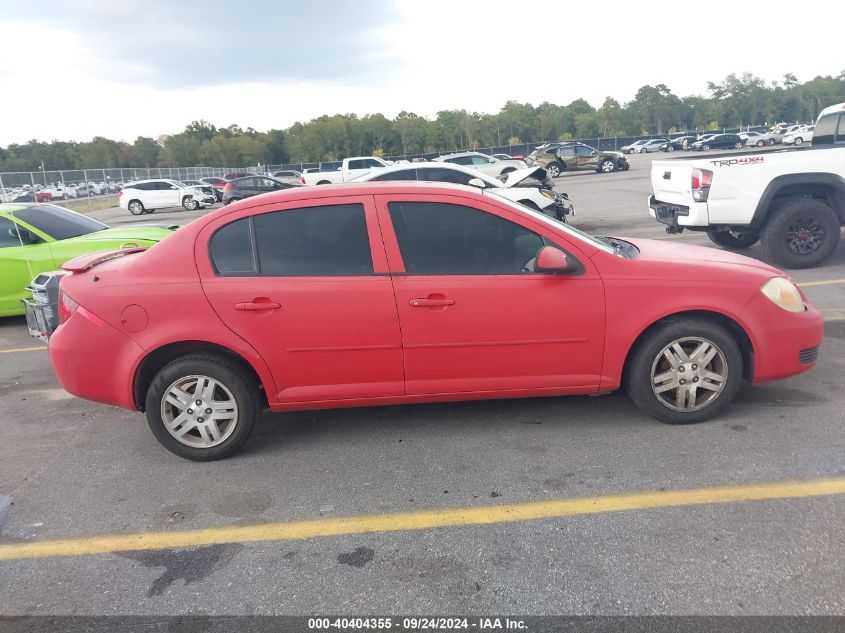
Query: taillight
{"x": 67, "y": 307}
{"x": 227, "y": 186}
{"x": 302, "y": 179}
{"x": 701, "y": 181}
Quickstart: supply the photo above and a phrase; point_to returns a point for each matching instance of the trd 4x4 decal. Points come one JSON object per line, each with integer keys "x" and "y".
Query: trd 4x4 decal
{"x": 746, "y": 160}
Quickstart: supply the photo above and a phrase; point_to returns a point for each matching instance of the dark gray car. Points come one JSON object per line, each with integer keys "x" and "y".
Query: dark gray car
{"x": 249, "y": 186}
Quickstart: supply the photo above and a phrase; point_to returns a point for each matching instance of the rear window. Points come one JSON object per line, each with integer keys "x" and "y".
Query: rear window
{"x": 58, "y": 223}
{"x": 830, "y": 129}
{"x": 232, "y": 250}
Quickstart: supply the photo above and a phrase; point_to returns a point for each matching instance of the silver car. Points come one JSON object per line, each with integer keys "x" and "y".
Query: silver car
{"x": 482, "y": 162}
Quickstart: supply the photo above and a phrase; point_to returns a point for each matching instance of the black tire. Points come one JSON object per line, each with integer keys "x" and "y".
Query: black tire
{"x": 242, "y": 387}
{"x": 646, "y": 357}
{"x": 670, "y": 148}
{"x": 705, "y": 148}
{"x": 136, "y": 207}
{"x": 189, "y": 203}
{"x": 739, "y": 145}
{"x": 802, "y": 233}
{"x": 738, "y": 238}
{"x": 760, "y": 143}
{"x": 603, "y": 166}
{"x": 771, "y": 142}
{"x": 555, "y": 169}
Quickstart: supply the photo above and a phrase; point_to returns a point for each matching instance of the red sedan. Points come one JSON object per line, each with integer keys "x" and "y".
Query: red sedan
{"x": 392, "y": 292}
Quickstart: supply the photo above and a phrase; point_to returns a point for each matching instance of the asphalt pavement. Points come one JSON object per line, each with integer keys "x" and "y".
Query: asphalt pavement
{"x": 72, "y": 469}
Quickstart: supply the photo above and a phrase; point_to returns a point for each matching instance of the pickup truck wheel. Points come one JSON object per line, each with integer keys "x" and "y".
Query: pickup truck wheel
{"x": 734, "y": 239}
{"x": 802, "y": 233}
{"x": 606, "y": 166}
{"x": 685, "y": 370}
{"x": 554, "y": 169}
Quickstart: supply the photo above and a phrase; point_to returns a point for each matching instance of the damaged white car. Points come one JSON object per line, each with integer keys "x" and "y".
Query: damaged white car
{"x": 530, "y": 186}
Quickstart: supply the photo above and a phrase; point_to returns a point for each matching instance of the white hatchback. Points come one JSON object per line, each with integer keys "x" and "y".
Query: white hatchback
{"x": 145, "y": 196}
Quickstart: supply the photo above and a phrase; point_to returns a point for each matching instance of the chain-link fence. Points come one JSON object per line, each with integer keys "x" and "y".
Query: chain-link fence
{"x": 90, "y": 188}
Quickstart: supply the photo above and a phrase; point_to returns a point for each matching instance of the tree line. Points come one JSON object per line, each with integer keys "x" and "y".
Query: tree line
{"x": 736, "y": 101}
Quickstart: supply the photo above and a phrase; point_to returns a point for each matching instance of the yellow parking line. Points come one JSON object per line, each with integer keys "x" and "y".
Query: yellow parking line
{"x": 826, "y": 282}
{"x": 438, "y": 518}
{"x": 22, "y": 349}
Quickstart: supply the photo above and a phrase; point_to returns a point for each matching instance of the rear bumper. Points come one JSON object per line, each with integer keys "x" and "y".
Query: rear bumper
{"x": 93, "y": 360}
{"x": 679, "y": 216}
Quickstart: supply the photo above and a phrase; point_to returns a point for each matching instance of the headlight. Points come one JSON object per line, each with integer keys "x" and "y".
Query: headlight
{"x": 783, "y": 293}
{"x": 548, "y": 194}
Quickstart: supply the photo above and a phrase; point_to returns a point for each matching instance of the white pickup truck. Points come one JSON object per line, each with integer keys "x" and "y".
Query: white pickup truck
{"x": 350, "y": 169}
{"x": 792, "y": 200}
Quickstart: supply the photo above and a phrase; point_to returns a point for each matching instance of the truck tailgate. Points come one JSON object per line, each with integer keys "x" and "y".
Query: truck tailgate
{"x": 671, "y": 181}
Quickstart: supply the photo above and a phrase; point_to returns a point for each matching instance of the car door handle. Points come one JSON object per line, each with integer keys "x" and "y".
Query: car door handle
{"x": 431, "y": 303}
{"x": 257, "y": 306}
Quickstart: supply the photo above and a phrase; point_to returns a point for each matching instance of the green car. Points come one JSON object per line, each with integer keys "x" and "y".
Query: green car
{"x": 36, "y": 238}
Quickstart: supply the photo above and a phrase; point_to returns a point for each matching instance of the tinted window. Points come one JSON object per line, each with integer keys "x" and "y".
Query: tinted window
{"x": 142, "y": 186}
{"x": 328, "y": 240}
{"x": 58, "y": 223}
{"x": 160, "y": 185}
{"x": 444, "y": 174}
{"x": 460, "y": 160}
{"x": 447, "y": 239}
{"x": 826, "y": 129}
{"x": 364, "y": 163}
{"x": 401, "y": 174}
{"x": 583, "y": 150}
{"x": 246, "y": 183}
{"x": 231, "y": 249}
{"x": 269, "y": 184}
{"x": 566, "y": 151}
{"x": 479, "y": 160}
{"x": 8, "y": 234}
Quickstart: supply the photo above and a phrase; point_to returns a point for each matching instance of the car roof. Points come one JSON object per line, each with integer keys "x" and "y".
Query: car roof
{"x": 457, "y": 154}
{"x": 465, "y": 169}
{"x": 353, "y": 189}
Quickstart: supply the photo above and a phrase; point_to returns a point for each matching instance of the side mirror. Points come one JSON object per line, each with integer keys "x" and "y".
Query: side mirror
{"x": 477, "y": 182}
{"x": 551, "y": 260}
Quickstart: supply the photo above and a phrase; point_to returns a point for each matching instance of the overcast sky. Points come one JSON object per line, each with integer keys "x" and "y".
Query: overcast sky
{"x": 123, "y": 68}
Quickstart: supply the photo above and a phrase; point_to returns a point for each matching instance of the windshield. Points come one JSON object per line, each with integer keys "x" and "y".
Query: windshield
{"x": 58, "y": 223}
{"x": 599, "y": 243}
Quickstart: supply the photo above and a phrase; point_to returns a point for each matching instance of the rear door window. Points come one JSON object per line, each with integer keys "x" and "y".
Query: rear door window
{"x": 232, "y": 251}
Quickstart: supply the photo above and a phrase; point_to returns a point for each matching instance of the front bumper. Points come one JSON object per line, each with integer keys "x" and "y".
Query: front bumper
{"x": 785, "y": 343}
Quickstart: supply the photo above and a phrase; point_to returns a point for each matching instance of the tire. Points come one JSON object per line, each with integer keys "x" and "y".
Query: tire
{"x": 324, "y": 182}
{"x": 607, "y": 166}
{"x": 136, "y": 207}
{"x": 554, "y": 169}
{"x": 705, "y": 148}
{"x": 738, "y": 145}
{"x": 235, "y": 393}
{"x": 739, "y": 238}
{"x": 760, "y": 143}
{"x": 643, "y": 150}
{"x": 771, "y": 142}
{"x": 799, "y": 141}
{"x": 670, "y": 148}
{"x": 189, "y": 203}
{"x": 647, "y": 365}
{"x": 802, "y": 233}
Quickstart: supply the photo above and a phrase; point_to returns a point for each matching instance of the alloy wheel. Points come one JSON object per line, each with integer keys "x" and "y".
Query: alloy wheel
{"x": 689, "y": 374}
{"x": 805, "y": 235}
{"x": 199, "y": 411}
